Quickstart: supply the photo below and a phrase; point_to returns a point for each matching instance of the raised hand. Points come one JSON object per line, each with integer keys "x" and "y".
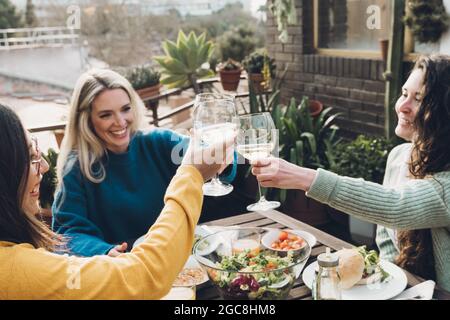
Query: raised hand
{"x": 278, "y": 173}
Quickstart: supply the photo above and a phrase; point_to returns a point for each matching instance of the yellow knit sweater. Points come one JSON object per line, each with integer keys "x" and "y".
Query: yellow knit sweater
{"x": 147, "y": 272}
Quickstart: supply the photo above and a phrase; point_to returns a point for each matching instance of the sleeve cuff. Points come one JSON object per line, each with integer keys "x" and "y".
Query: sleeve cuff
{"x": 323, "y": 186}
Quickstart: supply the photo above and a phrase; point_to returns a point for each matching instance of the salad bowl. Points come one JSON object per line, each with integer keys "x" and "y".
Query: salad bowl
{"x": 241, "y": 268}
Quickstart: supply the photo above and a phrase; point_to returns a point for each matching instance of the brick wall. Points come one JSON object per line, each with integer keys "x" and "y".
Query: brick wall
{"x": 354, "y": 87}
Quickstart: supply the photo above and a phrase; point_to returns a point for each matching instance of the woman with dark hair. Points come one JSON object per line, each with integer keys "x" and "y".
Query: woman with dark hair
{"x": 412, "y": 207}
{"x": 29, "y": 269}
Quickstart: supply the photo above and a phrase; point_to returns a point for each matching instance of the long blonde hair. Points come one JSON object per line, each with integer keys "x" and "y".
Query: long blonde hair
{"x": 80, "y": 137}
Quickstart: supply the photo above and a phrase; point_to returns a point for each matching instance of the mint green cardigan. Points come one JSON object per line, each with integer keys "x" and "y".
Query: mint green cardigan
{"x": 416, "y": 204}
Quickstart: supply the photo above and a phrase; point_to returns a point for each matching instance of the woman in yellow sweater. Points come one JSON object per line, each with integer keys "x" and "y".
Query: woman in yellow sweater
{"x": 29, "y": 269}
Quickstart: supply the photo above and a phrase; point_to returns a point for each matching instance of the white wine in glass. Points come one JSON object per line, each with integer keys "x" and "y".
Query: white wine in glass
{"x": 215, "y": 120}
{"x": 257, "y": 137}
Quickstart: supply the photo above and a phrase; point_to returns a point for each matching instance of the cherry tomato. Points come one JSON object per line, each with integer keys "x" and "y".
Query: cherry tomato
{"x": 283, "y": 236}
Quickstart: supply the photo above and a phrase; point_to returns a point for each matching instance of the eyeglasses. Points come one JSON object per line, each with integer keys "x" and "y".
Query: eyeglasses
{"x": 37, "y": 162}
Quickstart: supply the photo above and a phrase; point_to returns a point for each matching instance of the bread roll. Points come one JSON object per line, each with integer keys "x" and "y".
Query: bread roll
{"x": 351, "y": 267}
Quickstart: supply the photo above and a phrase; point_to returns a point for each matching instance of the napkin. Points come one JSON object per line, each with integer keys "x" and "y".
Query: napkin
{"x": 422, "y": 291}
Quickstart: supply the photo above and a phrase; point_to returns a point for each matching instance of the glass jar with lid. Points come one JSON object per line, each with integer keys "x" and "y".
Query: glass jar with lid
{"x": 326, "y": 284}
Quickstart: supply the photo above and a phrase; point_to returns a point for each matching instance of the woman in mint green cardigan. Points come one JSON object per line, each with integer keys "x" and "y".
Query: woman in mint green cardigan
{"x": 412, "y": 206}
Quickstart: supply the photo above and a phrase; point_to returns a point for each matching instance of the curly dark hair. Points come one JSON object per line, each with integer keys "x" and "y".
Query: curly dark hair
{"x": 430, "y": 155}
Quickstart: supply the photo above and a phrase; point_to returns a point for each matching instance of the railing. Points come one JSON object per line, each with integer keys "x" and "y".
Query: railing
{"x": 20, "y": 38}
{"x": 152, "y": 104}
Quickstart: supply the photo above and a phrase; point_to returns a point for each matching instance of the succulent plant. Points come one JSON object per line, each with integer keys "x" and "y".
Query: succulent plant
{"x": 143, "y": 76}
{"x": 186, "y": 60}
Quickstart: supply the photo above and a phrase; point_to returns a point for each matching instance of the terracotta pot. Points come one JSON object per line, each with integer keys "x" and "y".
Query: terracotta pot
{"x": 257, "y": 79}
{"x": 307, "y": 210}
{"x": 384, "y": 47}
{"x": 230, "y": 79}
{"x": 59, "y": 136}
{"x": 149, "y": 91}
{"x": 315, "y": 107}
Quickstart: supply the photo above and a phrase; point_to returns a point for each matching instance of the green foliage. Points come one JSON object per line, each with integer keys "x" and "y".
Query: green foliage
{"x": 143, "y": 76}
{"x": 266, "y": 101}
{"x": 49, "y": 180}
{"x": 237, "y": 43}
{"x": 220, "y": 21}
{"x": 364, "y": 157}
{"x": 428, "y": 20}
{"x": 254, "y": 63}
{"x": 228, "y": 65}
{"x": 263, "y": 102}
{"x": 304, "y": 140}
{"x": 285, "y": 13}
{"x": 185, "y": 60}
{"x": 30, "y": 16}
{"x": 9, "y": 17}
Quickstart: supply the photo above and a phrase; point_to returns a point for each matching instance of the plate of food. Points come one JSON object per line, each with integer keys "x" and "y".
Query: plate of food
{"x": 363, "y": 275}
{"x": 193, "y": 268}
{"x": 287, "y": 240}
{"x": 240, "y": 268}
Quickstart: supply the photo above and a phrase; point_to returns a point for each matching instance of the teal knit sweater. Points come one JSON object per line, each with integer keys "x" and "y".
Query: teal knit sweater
{"x": 416, "y": 204}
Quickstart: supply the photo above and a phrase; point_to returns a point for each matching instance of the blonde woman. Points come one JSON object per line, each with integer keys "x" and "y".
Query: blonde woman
{"x": 112, "y": 176}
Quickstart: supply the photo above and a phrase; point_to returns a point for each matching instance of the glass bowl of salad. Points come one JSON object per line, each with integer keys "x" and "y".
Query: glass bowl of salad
{"x": 241, "y": 268}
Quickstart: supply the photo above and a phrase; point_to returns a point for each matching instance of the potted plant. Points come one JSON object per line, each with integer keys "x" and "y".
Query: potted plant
{"x": 48, "y": 184}
{"x": 309, "y": 142}
{"x": 428, "y": 20}
{"x": 145, "y": 80}
{"x": 186, "y": 60}
{"x": 230, "y": 74}
{"x": 261, "y": 69}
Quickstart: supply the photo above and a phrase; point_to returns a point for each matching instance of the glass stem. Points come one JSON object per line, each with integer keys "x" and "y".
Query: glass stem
{"x": 215, "y": 179}
{"x": 261, "y": 197}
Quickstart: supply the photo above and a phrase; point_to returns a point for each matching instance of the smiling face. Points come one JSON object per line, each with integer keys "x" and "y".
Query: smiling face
{"x": 38, "y": 166}
{"x": 111, "y": 118}
{"x": 408, "y": 105}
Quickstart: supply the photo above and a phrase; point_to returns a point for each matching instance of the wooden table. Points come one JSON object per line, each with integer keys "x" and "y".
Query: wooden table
{"x": 276, "y": 219}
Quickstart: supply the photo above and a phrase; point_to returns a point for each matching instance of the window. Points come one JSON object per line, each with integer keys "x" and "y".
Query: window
{"x": 351, "y": 25}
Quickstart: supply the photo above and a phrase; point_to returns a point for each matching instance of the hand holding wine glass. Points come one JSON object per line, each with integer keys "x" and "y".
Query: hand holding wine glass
{"x": 214, "y": 122}
{"x": 256, "y": 139}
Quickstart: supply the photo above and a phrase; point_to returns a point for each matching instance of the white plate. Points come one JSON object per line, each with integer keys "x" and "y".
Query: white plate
{"x": 380, "y": 291}
{"x": 273, "y": 235}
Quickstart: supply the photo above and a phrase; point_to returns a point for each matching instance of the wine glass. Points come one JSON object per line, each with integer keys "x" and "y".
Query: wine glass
{"x": 215, "y": 120}
{"x": 206, "y": 96}
{"x": 256, "y": 139}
